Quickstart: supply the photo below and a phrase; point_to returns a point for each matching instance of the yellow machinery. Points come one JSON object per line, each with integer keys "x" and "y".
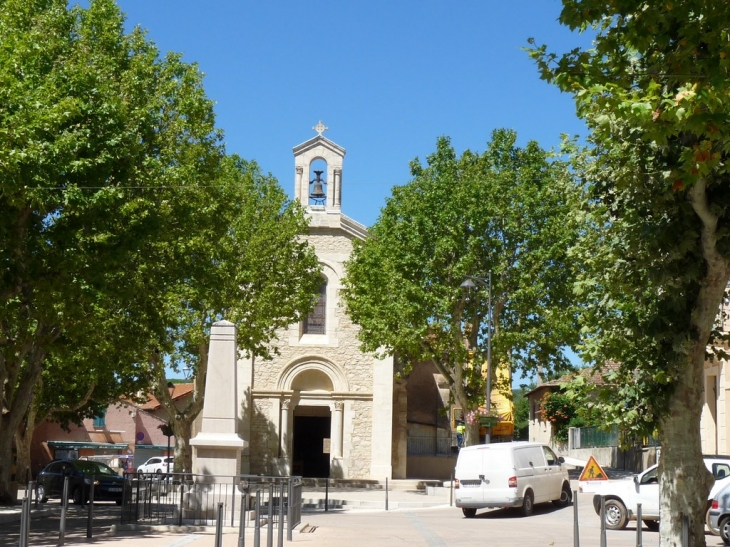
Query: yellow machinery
{"x": 502, "y": 404}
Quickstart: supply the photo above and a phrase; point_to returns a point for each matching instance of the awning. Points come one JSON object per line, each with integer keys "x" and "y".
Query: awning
{"x": 77, "y": 445}
{"x": 152, "y": 447}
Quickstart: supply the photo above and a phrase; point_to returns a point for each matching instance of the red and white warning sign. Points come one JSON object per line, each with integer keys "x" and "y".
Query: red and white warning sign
{"x": 593, "y": 472}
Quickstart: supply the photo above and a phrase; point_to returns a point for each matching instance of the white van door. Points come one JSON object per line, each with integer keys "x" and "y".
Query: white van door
{"x": 530, "y": 472}
{"x": 469, "y": 467}
{"x": 554, "y": 473}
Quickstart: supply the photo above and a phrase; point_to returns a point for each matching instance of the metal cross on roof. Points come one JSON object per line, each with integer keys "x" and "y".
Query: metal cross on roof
{"x": 320, "y": 128}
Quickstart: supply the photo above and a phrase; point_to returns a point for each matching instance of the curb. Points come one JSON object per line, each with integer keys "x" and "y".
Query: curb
{"x": 13, "y": 515}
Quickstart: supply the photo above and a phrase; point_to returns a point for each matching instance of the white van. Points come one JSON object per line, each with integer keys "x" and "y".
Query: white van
{"x": 516, "y": 474}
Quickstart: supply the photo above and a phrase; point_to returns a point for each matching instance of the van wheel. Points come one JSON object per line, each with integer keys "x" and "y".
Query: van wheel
{"x": 616, "y": 516}
{"x": 469, "y": 512}
{"x": 528, "y": 504}
{"x": 652, "y": 525}
{"x": 566, "y": 496}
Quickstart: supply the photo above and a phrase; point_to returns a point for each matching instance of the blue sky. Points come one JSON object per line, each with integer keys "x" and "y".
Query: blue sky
{"x": 387, "y": 78}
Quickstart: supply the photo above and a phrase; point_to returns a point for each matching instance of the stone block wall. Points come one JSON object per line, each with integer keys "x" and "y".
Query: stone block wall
{"x": 339, "y": 348}
{"x": 261, "y": 437}
{"x": 360, "y": 439}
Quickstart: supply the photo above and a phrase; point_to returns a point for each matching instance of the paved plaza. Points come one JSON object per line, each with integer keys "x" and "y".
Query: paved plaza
{"x": 413, "y": 519}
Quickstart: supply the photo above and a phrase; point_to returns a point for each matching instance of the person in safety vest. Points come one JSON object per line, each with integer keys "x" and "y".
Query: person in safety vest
{"x": 460, "y": 429}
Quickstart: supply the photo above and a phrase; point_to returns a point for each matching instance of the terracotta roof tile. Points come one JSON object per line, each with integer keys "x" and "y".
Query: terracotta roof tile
{"x": 178, "y": 392}
{"x": 592, "y": 376}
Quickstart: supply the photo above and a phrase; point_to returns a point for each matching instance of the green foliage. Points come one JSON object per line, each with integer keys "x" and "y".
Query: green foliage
{"x": 653, "y": 92}
{"x": 125, "y": 230}
{"x": 563, "y": 409}
{"x": 655, "y": 256}
{"x": 560, "y": 411}
{"x": 247, "y": 263}
{"x": 505, "y": 210}
{"x": 522, "y": 414}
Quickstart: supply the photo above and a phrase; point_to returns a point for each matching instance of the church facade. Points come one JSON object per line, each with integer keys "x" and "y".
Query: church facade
{"x": 322, "y": 408}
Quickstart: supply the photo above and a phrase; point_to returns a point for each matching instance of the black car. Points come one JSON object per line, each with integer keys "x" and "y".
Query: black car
{"x": 108, "y": 486}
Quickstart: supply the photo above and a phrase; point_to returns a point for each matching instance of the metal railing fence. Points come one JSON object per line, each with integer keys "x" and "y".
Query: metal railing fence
{"x": 178, "y": 499}
{"x": 593, "y": 437}
{"x": 430, "y": 446}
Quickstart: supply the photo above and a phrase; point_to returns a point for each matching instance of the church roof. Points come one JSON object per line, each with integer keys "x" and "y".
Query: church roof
{"x": 321, "y": 219}
{"x": 319, "y": 140}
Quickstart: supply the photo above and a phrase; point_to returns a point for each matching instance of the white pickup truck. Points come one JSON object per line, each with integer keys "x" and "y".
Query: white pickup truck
{"x": 623, "y": 495}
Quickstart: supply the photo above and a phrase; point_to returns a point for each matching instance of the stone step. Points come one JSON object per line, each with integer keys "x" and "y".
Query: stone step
{"x": 364, "y": 484}
{"x": 340, "y": 504}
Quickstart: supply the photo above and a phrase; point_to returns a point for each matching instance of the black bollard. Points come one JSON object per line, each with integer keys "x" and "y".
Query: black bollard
{"x": 219, "y": 526}
{"x": 64, "y": 508}
{"x": 89, "y": 520}
{"x": 290, "y": 510}
{"x": 242, "y": 521}
{"x": 451, "y": 491}
{"x": 257, "y": 524}
{"x": 386, "y": 493}
{"x": 280, "y": 541}
{"x": 576, "y": 537}
{"x": 30, "y": 500}
{"x": 270, "y": 524}
{"x": 23, "y": 524}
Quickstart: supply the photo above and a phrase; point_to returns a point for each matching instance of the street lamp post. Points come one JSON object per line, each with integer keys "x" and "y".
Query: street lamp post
{"x": 169, "y": 431}
{"x": 469, "y": 283}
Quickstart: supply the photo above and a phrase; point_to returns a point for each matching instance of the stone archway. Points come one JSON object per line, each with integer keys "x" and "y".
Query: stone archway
{"x": 313, "y": 415}
{"x": 315, "y": 369}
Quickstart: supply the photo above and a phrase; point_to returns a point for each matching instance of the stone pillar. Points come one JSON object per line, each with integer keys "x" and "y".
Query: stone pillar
{"x": 301, "y": 187}
{"x": 217, "y": 446}
{"x": 382, "y": 433}
{"x": 400, "y": 429}
{"x": 336, "y": 444}
{"x": 338, "y": 187}
{"x": 285, "y": 420}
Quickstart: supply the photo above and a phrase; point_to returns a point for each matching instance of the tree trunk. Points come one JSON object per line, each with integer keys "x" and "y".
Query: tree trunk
{"x": 6, "y": 463}
{"x": 471, "y": 434}
{"x": 23, "y": 439}
{"x": 684, "y": 481}
{"x": 17, "y": 397}
{"x": 183, "y": 427}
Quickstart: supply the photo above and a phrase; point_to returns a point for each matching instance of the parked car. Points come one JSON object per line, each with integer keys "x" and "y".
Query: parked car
{"x": 514, "y": 474}
{"x": 720, "y": 513}
{"x": 623, "y": 495}
{"x": 108, "y": 486}
{"x": 158, "y": 464}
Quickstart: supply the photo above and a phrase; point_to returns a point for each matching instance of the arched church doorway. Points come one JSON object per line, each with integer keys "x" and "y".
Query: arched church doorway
{"x": 310, "y": 443}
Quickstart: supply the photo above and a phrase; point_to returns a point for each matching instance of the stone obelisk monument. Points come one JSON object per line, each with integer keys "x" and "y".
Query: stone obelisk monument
{"x": 217, "y": 447}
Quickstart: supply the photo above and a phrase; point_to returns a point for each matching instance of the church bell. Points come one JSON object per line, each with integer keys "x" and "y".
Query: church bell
{"x": 317, "y": 193}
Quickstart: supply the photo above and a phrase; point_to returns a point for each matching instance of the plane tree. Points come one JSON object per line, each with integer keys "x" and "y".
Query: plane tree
{"x": 254, "y": 269}
{"x": 654, "y": 93}
{"x": 81, "y": 377}
{"x": 96, "y": 131}
{"x": 505, "y": 210}
{"x": 115, "y": 192}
